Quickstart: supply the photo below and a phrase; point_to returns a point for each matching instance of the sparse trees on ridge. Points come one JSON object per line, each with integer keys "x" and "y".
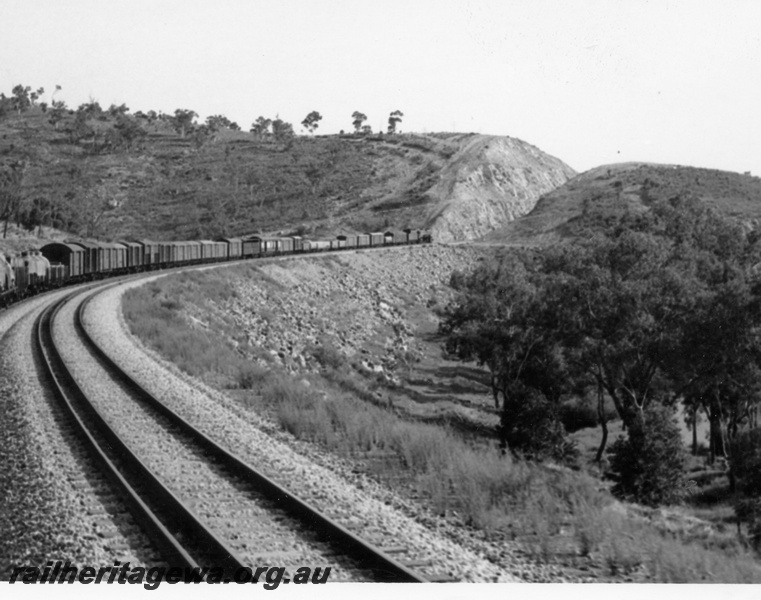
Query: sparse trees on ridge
{"x": 115, "y": 111}
{"x": 24, "y": 98}
{"x": 281, "y": 130}
{"x": 393, "y": 120}
{"x": 359, "y": 118}
{"x": 183, "y": 120}
{"x": 311, "y": 121}
{"x": 261, "y": 127}
{"x": 217, "y": 122}
{"x": 56, "y": 113}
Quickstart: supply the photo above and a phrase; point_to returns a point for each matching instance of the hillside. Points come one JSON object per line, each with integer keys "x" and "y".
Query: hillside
{"x": 491, "y": 181}
{"x": 613, "y": 189}
{"x": 109, "y": 174}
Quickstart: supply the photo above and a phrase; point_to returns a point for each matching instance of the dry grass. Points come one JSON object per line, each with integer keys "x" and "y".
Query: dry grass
{"x": 551, "y": 512}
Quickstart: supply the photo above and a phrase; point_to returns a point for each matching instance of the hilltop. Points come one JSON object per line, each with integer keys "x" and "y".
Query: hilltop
{"x": 108, "y": 174}
{"x": 614, "y": 189}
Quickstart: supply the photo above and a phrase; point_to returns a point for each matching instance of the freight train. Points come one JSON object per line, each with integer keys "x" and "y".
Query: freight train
{"x": 76, "y": 261}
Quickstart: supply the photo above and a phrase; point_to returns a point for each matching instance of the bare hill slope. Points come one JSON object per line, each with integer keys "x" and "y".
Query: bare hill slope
{"x": 489, "y": 182}
{"x": 614, "y": 189}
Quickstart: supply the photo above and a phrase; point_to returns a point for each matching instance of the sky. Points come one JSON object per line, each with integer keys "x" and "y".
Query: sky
{"x": 591, "y": 82}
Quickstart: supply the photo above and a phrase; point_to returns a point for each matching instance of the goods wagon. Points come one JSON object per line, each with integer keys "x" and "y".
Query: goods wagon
{"x": 347, "y": 241}
{"x": 71, "y": 256}
{"x": 267, "y": 245}
{"x": 58, "y": 275}
{"x": 234, "y": 247}
{"x": 317, "y": 245}
{"x": 93, "y": 256}
{"x": 117, "y": 254}
{"x": 393, "y": 238}
{"x": 251, "y": 248}
{"x": 208, "y": 250}
{"x": 151, "y": 253}
{"x": 220, "y": 251}
{"x": 192, "y": 251}
{"x": 133, "y": 254}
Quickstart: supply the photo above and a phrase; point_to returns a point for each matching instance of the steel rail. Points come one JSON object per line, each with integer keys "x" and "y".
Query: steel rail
{"x": 372, "y": 558}
{"x": 164, "y": 517}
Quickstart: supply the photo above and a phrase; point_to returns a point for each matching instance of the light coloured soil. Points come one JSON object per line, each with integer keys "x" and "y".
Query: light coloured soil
{"x": 372, "y": 308}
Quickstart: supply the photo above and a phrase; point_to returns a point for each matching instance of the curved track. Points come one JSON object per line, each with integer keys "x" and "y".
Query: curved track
{"x": 164, "y": 494}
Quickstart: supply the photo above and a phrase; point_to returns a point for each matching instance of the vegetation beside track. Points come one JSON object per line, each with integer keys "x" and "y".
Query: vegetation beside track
{"x": 554, "y": 514}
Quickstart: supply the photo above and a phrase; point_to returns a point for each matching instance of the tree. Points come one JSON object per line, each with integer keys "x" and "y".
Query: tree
{"x": 501, "y": 318}
{"x": 56, "y": 113}
{"x": 83, "y": 127}
{"x": 11, "y": 178}
{"x": 645, "y": 308}
{"x": 261, "y": 127}
{"x": 21, "y": 100}
{"x": 34, "y": 96}
{"x": 359, "y": 118}
{"x": 217, "y": 122}
{"x": 94, "y": 206}
{"x": 311, "y": 121}
{"x": 126, "y": 131}
{"x": 183, "y": 121}
{"x": 116, "y": 111}
{"x": 281, "y": 130}
{"x": 393, "y": 120}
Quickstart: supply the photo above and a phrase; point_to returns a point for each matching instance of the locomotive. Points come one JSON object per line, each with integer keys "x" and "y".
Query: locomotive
{"x": 76, "y": 261}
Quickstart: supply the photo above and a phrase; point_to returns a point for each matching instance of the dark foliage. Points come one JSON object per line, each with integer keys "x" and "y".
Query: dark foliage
{"x": 530, "y": 425}
{"x": 745, "y": 450}
{"x": 650, "y": 462}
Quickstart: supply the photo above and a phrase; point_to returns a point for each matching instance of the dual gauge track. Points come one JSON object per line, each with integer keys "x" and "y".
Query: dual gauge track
{"x": 161, "y": 494}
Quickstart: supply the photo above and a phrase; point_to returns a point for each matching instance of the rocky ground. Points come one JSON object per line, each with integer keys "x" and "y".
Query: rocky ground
{"x": 372, "y": 312}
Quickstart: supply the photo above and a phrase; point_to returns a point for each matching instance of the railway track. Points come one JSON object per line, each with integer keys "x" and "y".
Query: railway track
{"x": 200, "y": 504}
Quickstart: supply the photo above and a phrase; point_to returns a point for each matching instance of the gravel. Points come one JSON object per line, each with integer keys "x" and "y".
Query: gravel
{"x": 53, "y": 504}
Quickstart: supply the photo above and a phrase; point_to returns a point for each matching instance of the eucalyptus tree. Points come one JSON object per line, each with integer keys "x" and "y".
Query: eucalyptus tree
{"x": 358, "y": 119}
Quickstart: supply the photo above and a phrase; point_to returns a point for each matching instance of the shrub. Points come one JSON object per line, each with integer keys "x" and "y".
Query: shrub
{"x": 530, "y": 425}
{"x": 327, "y": 354}
{"x": 745, "y": 450}
{"x": 581, "y": 412}
{"x": 650, "y": 462}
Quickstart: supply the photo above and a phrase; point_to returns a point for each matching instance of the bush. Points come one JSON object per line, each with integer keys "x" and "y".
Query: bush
{"x": 327, "y": 354}
{"x": 581, "y": 412}
{"x": 650, "y": 462}
{"x": 745, "y": 450}
{"x": 530, "y": 425}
